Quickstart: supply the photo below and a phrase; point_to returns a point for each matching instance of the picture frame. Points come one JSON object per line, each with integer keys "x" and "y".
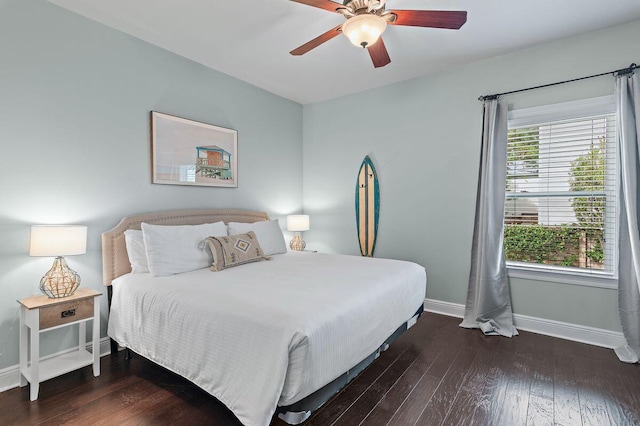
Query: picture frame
{"x": 187, "y": 152}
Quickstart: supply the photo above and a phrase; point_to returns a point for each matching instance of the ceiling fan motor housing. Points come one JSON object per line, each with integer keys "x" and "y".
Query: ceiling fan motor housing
{"x": 358, "y": 7}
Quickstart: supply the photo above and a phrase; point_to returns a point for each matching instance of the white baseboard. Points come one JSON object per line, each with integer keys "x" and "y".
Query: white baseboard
{"x": 577, "y": 333}
{"x": 444, "y": 308}
{"x": 10, "y": 376}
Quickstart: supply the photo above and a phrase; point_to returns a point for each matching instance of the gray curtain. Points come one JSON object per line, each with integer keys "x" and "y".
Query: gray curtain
{"x": 628, "y": 112}
{"x": 489, "y": 298}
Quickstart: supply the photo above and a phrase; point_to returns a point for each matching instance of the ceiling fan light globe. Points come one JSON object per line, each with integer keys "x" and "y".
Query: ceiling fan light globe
{"x": 364, "y": 30}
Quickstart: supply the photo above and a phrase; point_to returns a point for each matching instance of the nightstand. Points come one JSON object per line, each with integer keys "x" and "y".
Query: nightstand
{"x": 39, "y": 314}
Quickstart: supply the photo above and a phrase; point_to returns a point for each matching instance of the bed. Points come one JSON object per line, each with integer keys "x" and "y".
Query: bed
{"x": 282, "y": 335}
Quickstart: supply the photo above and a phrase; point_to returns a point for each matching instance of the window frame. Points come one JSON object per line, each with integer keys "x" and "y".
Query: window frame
{"x": 534, "y": 116}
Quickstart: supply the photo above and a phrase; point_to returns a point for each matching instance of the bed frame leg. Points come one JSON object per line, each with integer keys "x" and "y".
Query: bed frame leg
{"x": 114, "y": 347}
{"x": 113, "y": 343}
{"x": 127, "y": 354}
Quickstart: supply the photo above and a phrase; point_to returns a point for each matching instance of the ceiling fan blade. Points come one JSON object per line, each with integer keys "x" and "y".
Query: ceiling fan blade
{"x": 379, "y": 54}
{"x": 430, "y": 18}
{"x": 317, "y": 41}
{"x": 331, "y": 6}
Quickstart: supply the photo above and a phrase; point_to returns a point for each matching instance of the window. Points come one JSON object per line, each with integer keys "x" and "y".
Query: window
{"x": 561, "y": 186}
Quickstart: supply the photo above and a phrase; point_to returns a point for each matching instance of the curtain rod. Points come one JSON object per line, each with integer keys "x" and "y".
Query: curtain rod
{"x": 622, "y": 71}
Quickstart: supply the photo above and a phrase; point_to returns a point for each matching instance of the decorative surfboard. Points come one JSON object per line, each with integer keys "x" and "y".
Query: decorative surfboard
{"x": 367, "y": 207}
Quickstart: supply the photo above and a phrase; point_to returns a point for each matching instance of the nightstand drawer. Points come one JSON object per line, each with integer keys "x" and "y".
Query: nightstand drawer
{"x": 63, "y": 313}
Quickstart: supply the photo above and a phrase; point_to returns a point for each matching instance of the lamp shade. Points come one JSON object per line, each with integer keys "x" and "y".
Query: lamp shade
{"x": 298, "y": 222}
{"x": 58, "y": 240}
{"x": 364, "y": 30}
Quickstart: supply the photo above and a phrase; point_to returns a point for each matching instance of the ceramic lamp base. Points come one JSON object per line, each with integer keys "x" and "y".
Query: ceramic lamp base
{"x": 60, "y": 280}
{"x": 297, "y": 243}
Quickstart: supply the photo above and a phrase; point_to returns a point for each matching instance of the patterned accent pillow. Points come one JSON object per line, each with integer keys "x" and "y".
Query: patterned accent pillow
{"x": 235, "y": 250}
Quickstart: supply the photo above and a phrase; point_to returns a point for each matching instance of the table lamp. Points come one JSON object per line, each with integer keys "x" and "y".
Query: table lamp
{"x": 297, "y": 223}
{"x": 58, "y": 241}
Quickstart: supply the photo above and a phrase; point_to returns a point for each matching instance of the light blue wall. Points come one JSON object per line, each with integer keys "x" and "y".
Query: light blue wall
{"x": 424, "y": 138}
{"x": 75, "y": 98}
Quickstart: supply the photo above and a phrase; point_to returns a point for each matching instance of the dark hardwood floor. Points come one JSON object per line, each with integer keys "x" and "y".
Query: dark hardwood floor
{"x": 435, "y": 374}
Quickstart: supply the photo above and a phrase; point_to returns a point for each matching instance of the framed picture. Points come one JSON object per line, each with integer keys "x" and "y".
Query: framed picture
{"x": 186, "y": 152}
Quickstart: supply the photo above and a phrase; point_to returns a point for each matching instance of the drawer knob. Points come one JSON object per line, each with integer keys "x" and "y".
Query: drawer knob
{"x": 68, "y": 313}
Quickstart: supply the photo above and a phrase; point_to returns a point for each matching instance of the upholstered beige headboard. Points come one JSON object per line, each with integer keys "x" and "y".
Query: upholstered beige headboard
{"x": 115, "y": 261}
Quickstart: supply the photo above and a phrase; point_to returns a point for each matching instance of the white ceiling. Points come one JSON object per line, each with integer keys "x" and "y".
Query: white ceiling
{"x": 251, "y": 39}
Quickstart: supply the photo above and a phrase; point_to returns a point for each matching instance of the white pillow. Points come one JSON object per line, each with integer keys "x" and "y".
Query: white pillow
{"x": 176, "y": 249}
{"x": 268, "y": 233}
{"x": 136, "y": 251}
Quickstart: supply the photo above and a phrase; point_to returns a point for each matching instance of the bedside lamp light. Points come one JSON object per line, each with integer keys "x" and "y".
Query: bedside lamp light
{"x": 297, "y": 223}
{"x": 58, "y": 241}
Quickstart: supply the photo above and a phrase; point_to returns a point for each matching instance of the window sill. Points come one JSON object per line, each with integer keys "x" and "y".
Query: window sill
{"x": 564, "y": 277}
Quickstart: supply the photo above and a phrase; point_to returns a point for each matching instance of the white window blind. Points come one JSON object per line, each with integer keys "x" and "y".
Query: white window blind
{"x": 560, "y": 204}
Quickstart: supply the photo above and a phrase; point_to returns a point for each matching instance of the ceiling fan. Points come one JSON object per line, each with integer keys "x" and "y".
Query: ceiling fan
{"x": 367, "y": 20}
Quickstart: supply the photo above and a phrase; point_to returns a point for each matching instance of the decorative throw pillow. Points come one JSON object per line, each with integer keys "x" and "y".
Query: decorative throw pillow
{"x": 176, "y": 249}
{"x": 268, "y": 233}
{"x": 235, "y": 250}
{"x": 136, "y": 251}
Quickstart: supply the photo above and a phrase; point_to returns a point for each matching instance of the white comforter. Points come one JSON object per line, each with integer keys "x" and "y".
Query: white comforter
{"x": 267, "y": 333}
